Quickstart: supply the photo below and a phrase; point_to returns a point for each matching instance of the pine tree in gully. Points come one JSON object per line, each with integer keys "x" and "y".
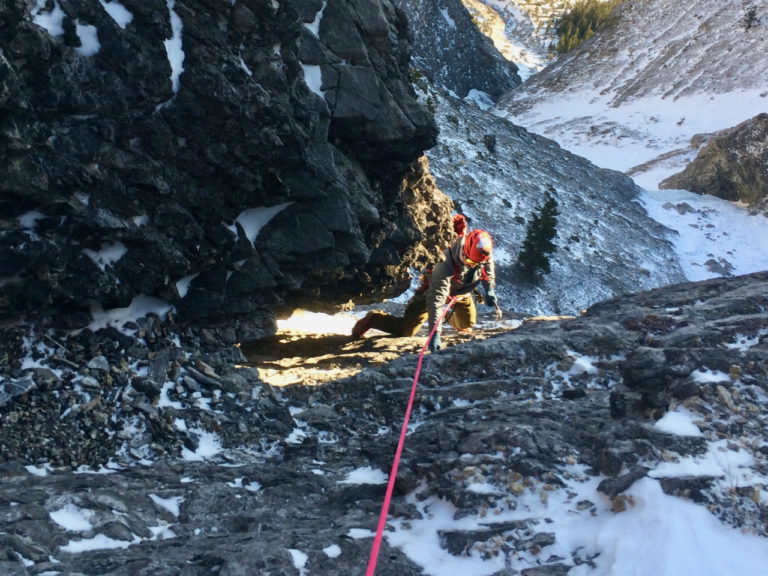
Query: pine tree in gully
{"x": 538, "y": 245}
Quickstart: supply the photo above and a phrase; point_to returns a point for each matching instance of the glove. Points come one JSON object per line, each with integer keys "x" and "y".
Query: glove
{"x": 490, "y": 298}
{"x": 459, "y": 224}
{"x": 435, "y": 344}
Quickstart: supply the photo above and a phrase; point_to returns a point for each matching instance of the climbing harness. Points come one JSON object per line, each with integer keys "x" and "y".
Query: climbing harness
{"x": 393, "y": 474}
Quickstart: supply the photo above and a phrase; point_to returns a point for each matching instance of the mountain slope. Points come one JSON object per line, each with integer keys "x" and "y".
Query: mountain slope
{"x": 499, "y": 174}
{"x": 663, "y": 48}
{"x": 642, "y": 87}
{"x": 521, "y": 30}
{"x": 450, "y": 51}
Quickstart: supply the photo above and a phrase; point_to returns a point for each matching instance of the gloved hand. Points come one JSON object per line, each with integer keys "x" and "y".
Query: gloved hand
{"x": 435, "y": 344}
{"x": 490, "y": 298}
{"x": 459, "y": 224}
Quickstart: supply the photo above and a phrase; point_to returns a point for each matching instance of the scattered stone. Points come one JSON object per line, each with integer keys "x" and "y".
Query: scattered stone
{"x": 249, "y": 469}
{"x": 612, "y": 487}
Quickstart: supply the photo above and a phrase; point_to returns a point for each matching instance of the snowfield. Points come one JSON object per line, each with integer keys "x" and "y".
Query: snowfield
{"x": 634, "y": 97}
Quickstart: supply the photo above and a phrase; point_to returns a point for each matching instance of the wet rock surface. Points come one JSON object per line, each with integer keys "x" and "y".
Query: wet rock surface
{"x": 173, "y": 452}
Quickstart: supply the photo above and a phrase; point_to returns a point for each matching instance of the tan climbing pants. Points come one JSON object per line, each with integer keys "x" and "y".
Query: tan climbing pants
{"x": 463, "y": 316}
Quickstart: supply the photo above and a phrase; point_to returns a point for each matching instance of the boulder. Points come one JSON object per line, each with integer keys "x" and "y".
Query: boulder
{"x": 733, "y": 165}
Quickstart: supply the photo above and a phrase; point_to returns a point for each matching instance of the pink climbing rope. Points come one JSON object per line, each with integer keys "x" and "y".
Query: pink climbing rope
{"x": 393, "y": 474}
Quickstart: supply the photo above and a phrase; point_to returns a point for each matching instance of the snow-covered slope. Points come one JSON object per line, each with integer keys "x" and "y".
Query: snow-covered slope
{"x": 669, "y": 49}
{"x": 634, "y": 97}
{"x": 635, "y": 94}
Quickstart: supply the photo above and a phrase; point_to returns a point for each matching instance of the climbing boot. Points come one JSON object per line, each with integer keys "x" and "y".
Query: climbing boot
{"x": 362, "y": 326}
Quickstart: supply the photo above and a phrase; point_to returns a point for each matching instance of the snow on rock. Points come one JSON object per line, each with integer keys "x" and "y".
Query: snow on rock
{"x": 536, "y": 448}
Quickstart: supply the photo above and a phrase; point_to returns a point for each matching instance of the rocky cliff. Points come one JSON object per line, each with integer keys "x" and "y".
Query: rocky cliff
{"x": 452, "y": 53}
{"x": 172, "y": 460}
{"x": 233, "y": 159}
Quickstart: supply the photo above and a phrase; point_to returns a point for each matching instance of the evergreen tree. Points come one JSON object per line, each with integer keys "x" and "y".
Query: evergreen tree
{"x": 539, "y": 234}
{"x": 750, "y": 17}
{"x": 581, "y": 22}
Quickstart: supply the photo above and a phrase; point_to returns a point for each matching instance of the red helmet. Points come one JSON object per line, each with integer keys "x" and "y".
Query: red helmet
{"x": 478, "y": 246}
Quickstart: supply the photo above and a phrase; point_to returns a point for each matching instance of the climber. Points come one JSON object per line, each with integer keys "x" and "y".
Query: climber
{"x": 467, "y": 263}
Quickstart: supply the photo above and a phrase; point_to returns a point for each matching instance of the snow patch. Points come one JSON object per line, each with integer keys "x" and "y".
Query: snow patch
{"x": 52, "y": 20}
{"x": 98, "y": 542}
{"x": 171, "y": 504}
{"x": 208, "y": 446}
{"x": 118, "y": 12}
{"x": 365, "y": 475}
{"x": 73, "y": 518}
{"x": 679, "y": 422}
{"x": 253, "y": 220}
{"x": 89, "y": 39}
{"x": 173, "y": 46}
{"x": 313, "y": 77}
{"x": 314, "y": 26}
{"x": 107, "y": 255}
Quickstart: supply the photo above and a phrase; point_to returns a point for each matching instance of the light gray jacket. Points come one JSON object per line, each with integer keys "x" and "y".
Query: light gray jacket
{"x": 451, "y": 277}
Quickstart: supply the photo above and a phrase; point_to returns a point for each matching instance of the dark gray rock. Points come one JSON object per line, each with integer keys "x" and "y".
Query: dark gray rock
{"x": 12, "y": 388}
{"x": 612, "y": 487}
{"x": 452, "y": 53}
{"x": 556, "y": 569}
{"x": 693, "y": 488}
{"x": 459, "y": 542}
{"x": 220, "y": 472}
{"x": 115, "y": 185}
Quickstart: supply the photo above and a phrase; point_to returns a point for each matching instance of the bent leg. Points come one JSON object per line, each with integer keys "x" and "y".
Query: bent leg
{"x": 408, "y": 324}
{"x": 464, "y": 313}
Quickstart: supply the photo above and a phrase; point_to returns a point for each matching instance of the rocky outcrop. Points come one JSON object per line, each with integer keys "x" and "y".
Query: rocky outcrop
{"x": 204, "y": 468}
{"x": 733, "y": 165}
{"x": 452, "y": 53}
{"x": 234, "y": 159}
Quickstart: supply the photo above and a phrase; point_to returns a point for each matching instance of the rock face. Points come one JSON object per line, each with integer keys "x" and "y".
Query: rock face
{"x": 234, "y": 159}
{"x": 206, "y": 469}
{"x": 453, "y": 53}
{"x": 732, "y": 165}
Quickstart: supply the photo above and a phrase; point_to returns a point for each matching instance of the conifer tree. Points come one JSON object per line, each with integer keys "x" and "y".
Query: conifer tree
{"x": 539, "y": 234}
{"x": 581, "y": 22}
{"x": 750, "y": 19}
